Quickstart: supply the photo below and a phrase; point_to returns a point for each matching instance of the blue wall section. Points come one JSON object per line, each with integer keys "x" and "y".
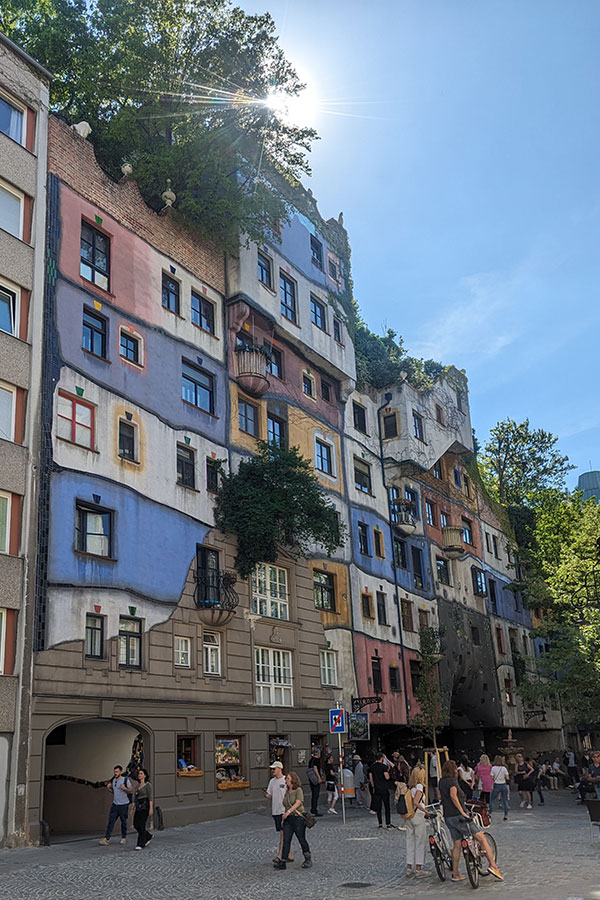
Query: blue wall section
{"x": 295, "y": 245}
{"x": 505, "y": 601}
{"x": 153, "y": 545}
{"x": 383, "y": 568}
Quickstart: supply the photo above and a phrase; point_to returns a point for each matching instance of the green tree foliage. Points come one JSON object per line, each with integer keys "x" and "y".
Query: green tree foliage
{"x": 433, "y": 712}
{"x": 174, "y": 87}
{"x": 382, "y": 361}
{"x": 274, "y": 502}
{"x": 519, "y": 463}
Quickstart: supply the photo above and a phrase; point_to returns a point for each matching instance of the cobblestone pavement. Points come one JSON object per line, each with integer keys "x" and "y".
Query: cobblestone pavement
{"x": 545, "y": 854}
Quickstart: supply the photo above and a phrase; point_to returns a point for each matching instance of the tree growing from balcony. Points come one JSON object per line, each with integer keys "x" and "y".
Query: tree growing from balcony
{"x": 434, "y": 706}
{"x": 273, "y": 503}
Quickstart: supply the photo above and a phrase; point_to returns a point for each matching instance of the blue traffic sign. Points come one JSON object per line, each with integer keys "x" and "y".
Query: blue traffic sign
{"x": 337, "y": 721}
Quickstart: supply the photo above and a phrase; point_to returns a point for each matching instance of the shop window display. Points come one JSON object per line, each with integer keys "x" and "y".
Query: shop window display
{"x": 228, "y": 764}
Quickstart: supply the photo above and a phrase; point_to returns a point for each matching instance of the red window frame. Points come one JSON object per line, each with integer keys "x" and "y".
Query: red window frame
{"x": 72, "y": 420}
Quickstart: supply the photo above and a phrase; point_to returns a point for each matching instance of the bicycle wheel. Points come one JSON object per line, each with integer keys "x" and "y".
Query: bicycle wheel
{"x": 446, "y": 842}
{"x": 438, "y": 862}
{"x": 472, "y": 867}
{"x": 483, "y": 863}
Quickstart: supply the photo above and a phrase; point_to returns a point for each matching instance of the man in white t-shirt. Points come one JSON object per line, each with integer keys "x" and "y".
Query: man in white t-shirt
{"x": 275, "y": 791}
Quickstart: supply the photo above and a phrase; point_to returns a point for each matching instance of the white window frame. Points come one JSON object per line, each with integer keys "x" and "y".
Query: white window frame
{"x": 274, "y": 678}
{"x": 21, "y": 197}
{"x": 329, "y": 670}
{"x": 138, "y": 337}
{"x": 10, "y": 389}
{"x": 319, "y": 439}
{"x": 211, "y": 653}
{"x": 182, "y": 652}
{"x": 313, "y": 381}
{"x": 4, "y": 495}
{"x": 20, "y": 107}
{"x": 267, "y": 602}
{"x": 14, "y": 289}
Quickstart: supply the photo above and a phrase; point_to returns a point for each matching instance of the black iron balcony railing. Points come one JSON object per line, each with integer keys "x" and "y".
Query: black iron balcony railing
{"x": 215, "y": 590}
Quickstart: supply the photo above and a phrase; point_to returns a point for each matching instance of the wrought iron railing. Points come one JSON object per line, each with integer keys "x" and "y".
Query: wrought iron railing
{"x": 215, "y": 590}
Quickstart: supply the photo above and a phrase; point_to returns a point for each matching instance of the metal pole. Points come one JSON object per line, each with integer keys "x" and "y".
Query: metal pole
{"x": 341, "y": 758}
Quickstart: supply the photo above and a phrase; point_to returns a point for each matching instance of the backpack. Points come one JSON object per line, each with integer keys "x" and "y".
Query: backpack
{"x": 404, "y": 801}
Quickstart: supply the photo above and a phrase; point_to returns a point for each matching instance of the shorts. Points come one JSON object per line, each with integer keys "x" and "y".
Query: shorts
{"x": 459, "y": 829}
{"x": 277, "y": 820}
{"x": 433, "y": 782}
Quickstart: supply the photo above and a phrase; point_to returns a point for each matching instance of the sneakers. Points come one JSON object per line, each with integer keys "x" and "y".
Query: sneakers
{"x": 495, "y": 871}
{"x": 422, "y": 873}
{"x": 410, "y": 873}
{"x": 123, "y": 841}
{"x": 390, "y": 826}
{"x": 522, "y": 803}
{"x": 332, "y": 812}
{"x": 380, "y": 826}
{"x": 529, "y": 806}
{"x": 457, "y": 878}
{"x": 150, "y": 836}
{"x": 372, "y": 811}
{"x": 139, "y": 848}
{"x": 506, "y": 818}
{"x": 104, "y": 841}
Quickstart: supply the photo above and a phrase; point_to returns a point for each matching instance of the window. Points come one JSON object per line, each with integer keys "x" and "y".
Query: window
{"x": 7, "y": 412}
{"x": 365, "y": 602}
{"x": 406, "y": 609}
{"x": 443, "y": 570}
{"x": 170, "y": 293}
{"x": 4, "y": 523}
{"x": 430, "y": 513}
{"x": 500, "y": 640}
{"x": 390, "y": 426}
{"x": 359, "y": 414}
{"x": 394, "y": 676}
{"x": 93, "y": 530}
{"x": 475, "y": 636}
{"x": 437, "y": 470}
{"x": 467, "y": 531}
{"x": 248, "y": 418}
{"x": 457, "y": 476}
{"x": 418, "y": 426}
{"x": 187, "y": 750}
{"x": 478, "y": 576}
{"x": 129, "y": 347}
{"x": 275, "y": 431}
{"x": 495, "y": 543}
{"x": 378, "y": 543}
{"x": 439, "y": 414}
{"x": 318, "y": 315}
{"x": 400, "y": 558}
{"x": 75, "y": 421}
{"x": 337, "y": 330}
{"x": 93, "y": 338}
{"x": 381, "y": 608}
{"x": 324, "y": 588}
{"x": 11, "y": 211}
{"x": 326, "y": 391}
{"x": 211, "y": 652}
{"x": 126, "y": 440}
{"x": 493, "y": 597}
{"x": 8, "y": 311}
{"x": 376, "y": 674}
{"x": 95, "y": 256}
{"x": 275, "y": 363}
{"x": 413, "y": 499}
{"x": 308, "y": 385}
{"x": 423, "y": 619}
{"x": 362, "y": 476}
{"x": 212, "y": 475}
{"x": 316, "y": 252}
{"x": 203, "y": 313}
{"x": 417, "y": 563}
{"x": 186, "y": 466}
{"x": 323, "y": 457}
{"x": 363, "y": 538}
{"x": 467, "y": 485}
{"x": 94, "y": 636}
{"x": 182, "y": 652}
{"x": 228, "y": 762}
{"x": 273, "y": 677}
{"x": 459, "y": 400}
{"x": 264, "y": 270}
{"x": 443, "y": 520}
{"x": 197, "y": 387}
{"x": 329, "y": 668}
{"x": 508, "y": 692}
{"x": 207, "y": 577}
{"x": 488, "y": 542}
{"x": 269, "y": 592}
{"x": 287, "y": 291}
{"x": 333, "y": 270}
{"x": 11, "y": 120}
{"x": 130, "y": 643}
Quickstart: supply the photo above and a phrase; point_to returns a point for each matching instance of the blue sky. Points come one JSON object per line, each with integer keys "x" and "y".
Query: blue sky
{"x": 465, "y": 155}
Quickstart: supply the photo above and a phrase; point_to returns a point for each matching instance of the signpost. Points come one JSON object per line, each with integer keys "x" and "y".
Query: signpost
{"x": 338, "y": 725}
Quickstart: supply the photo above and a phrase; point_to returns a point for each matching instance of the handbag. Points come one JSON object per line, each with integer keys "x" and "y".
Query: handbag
{"x": 309, "y": 819}
{"x": 312, "y": 776}
{"x": 142, "y": 805}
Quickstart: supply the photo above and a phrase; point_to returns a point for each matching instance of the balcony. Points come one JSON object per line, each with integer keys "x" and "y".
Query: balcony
{"x": 251, "y": 370}
{"x": 453, "y": 544}
{"x": 215, "y": 596}
{"x": 404, "y": 519}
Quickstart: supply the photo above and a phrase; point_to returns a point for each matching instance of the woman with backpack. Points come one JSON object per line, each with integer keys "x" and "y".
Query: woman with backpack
{"x": 416, "y": 825}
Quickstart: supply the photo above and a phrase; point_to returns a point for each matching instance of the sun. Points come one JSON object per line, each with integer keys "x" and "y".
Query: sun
{"x": 301, "y": 110}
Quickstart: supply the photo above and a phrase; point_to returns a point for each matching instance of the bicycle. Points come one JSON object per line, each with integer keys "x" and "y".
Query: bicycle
{"x": 476, "y": 860}
{"x": 440, "y": 842}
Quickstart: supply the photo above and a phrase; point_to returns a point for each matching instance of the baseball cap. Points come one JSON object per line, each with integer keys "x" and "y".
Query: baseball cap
{"x": 276, "y": 765}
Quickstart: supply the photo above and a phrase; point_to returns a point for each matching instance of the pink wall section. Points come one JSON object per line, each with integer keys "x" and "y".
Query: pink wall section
{"x": 393, "y": 702}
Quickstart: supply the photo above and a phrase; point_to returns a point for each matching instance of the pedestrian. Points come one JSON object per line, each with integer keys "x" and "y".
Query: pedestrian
{"x": 434, "y": 777}
{"x": 455, "y": 815}
{"x": 524, "y": 780}
{"x": 363, "y": 797}
{"x": 416, "y": 826}
{"x": 331, "y": 785}
{"x": 483, "y": 773}
{"x": 275, "y": 791}
{"x": 379, "y": 777}
{"x": 550, "y": 776}
{"x": 466, "y": 777}
{"x": 500, "y": 779}
{"x": 559, "y": 773}
{"x": 120, "y": 787}
{"x": 590, "y": 783}
{"x": 144, "y": 807}
{"x": 293, "y": 822}
{"x": 538, "y": 776}
{"x": 315, "y": 777}
{"x": 572, "y": 770}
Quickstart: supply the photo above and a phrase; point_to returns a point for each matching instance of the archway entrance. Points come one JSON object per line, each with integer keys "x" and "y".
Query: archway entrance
{"x": 80, "y": 758}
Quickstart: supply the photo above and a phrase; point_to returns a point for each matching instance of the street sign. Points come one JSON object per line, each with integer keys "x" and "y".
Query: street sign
{"x": 337, "y": 721}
